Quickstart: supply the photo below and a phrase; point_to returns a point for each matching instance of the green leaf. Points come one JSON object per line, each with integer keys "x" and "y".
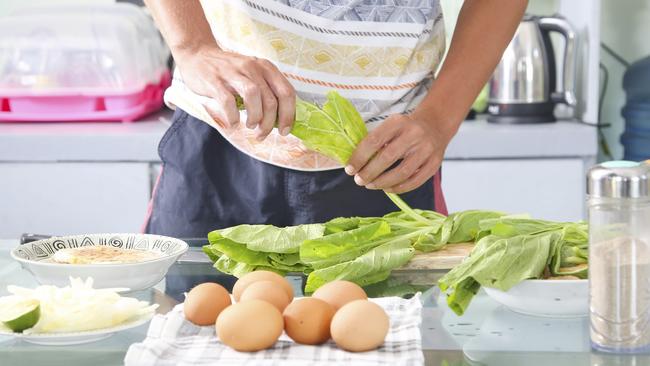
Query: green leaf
{"x": 508, "y": 226}
{"x": 399, "y": 202}
{"x": 268, "y": 238}
{"x": 466, "y": 224}
{"x": 227, "y": 265}
{"x": 211, "y": 253}
{"x": 572, "y": 253}
{"x": 429, "y": 242}
{"x": 371, "y": 267}
{"x": 394, "y": 287}
{"x": 296, "y": 268}
{"x": 240, "y": 253}
{"x": 499, "y": 263}
{"x": 342, "y": 246}
{"x": 341, "y": 224}
{"x": 334, "y": 131}
{"x": 288, "y": 259}
{"x": 463, "y": 293}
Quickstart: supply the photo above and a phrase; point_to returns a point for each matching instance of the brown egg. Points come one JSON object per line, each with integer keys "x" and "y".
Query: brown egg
{"x": 339, "y": 293}
{"x": 307, "y": 321}
{"x": 268, "y": 291}
{"x": 359, "y": 326}
{"x": 256, "y": 276}
{"x": 249, "y": 326}
{"x": 204, "y": 303}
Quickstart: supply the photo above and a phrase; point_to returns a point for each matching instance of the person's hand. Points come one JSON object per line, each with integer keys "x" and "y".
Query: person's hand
{"x": 409, "y": 138}
{"x": 220, "y": 75}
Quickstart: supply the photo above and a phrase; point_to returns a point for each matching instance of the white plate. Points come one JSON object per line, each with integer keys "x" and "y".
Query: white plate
{"x": 548, "y": 298}
{"x": 135, "y": 276}
{"x": 66, "y": 339}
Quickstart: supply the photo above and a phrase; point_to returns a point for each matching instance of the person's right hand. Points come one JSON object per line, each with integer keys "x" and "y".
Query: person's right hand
{"x": 220, "y": 75}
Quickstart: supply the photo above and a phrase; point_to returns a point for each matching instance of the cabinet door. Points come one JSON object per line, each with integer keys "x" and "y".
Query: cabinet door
{"x": 550, "y": 189}
{"x": 69, "y": 198}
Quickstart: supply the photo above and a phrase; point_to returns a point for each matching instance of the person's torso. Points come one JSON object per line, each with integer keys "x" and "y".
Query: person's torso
{"x": 380, "y": 54}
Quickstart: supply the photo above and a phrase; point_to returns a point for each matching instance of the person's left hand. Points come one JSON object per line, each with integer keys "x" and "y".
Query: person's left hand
{"x": 415, "y": 141}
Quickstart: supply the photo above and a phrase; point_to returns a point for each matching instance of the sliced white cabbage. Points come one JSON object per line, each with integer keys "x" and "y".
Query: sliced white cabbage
{"x": 79, "y": 307}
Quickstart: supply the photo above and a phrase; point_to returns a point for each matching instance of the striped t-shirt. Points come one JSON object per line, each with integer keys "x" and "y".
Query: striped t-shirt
{"x": 380, "y": 54}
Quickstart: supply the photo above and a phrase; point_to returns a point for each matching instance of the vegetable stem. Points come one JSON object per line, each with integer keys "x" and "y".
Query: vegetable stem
{"x": 399, "y": 202}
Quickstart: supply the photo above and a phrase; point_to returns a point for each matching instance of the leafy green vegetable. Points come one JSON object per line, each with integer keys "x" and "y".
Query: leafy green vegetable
{"x": 512, "y": 250}
{"x": 240, "y": 253}
{"x": 509, "y": 249}
{"x": 465, "y": 224}
{"x": 334, "y": 131}
{"x": 342, "y": 246}
{"x": 213, "y": 254}
{"x": 245, "y": 248}
{"x": 288, "y": 259}
{"x": 393, "y": 286}
{"x": 268, "y": 238}
{"x": 371, "y": 267}
{"x": 227, "y": 265}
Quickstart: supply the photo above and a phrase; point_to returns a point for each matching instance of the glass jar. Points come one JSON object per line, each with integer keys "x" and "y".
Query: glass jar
{"x": 619, "y": 256}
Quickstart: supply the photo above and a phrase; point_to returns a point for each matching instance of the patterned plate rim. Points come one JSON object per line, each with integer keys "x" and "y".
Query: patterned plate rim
{"x": 165, "y": 256}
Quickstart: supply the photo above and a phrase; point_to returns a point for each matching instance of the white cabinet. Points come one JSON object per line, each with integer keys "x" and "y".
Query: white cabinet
{"x": 69, "y": 198}
{"x": 544, "y": 188}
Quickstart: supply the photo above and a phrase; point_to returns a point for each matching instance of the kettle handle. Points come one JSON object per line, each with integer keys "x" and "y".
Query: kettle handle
{"x": 566, "y": 87}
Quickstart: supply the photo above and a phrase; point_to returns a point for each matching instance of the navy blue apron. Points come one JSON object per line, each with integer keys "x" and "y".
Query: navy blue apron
{"x": 208, "y": 184}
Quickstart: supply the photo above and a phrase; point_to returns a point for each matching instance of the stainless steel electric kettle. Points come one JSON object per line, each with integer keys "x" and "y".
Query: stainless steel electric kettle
{"x": 523, "y": 87}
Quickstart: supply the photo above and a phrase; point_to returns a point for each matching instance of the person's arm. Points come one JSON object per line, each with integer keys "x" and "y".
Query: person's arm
{"x": 209, "y": 71}
{"x": 483, "y": 31}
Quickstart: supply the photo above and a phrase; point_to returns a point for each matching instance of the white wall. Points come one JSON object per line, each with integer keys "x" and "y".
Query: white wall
{"x": 625, "y": 29}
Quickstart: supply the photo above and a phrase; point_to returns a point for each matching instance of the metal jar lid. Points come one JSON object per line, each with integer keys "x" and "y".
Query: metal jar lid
{"x": 619, "y": 179}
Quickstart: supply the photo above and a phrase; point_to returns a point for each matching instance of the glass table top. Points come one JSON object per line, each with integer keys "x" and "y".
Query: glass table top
{"x": 487, "y": 334}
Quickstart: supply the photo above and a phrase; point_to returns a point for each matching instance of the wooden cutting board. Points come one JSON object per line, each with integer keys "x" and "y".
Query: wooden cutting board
{"x": 444, "y": 259}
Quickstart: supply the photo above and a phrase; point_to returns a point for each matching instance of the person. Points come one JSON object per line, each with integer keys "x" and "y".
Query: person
{"x": 223, "y": 168}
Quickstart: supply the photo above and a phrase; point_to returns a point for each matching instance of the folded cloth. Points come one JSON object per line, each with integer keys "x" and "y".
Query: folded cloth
{"x": 172, "y": 340}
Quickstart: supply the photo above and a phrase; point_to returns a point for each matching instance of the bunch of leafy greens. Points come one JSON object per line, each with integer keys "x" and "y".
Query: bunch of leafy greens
{"x": 365, "y": 250}
{"x": 334, "y": 130}
{"x": 360, "y": 249}
{"x": 246, "y": 248}
{"x": 512, "y": 249}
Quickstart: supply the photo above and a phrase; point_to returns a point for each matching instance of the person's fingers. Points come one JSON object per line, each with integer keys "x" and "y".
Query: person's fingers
{"x": 250, "y": 91}
{"x": 371, "y": 144}
{"x": 383, "y": 160}
{"x": 400, "y": 173}
{"x": 285, "y": 94}
{"x": 222, "y": 106}
{"x": 417, "y": 179}
{"x": 270, "y": 107}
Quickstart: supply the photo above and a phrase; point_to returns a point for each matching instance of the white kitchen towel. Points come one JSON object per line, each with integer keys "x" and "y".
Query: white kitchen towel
{"x": 172, "y": 340}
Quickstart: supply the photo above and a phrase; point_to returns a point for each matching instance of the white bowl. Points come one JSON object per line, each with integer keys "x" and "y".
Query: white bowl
{"x": 549, "y": 298}
{"x": 135, "y": 276}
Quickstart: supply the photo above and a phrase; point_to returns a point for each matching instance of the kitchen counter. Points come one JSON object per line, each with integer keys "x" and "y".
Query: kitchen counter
{"x": 138, "y": 141}
{"x": 487, "y": 334}
{"x": 81, "y": 141}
